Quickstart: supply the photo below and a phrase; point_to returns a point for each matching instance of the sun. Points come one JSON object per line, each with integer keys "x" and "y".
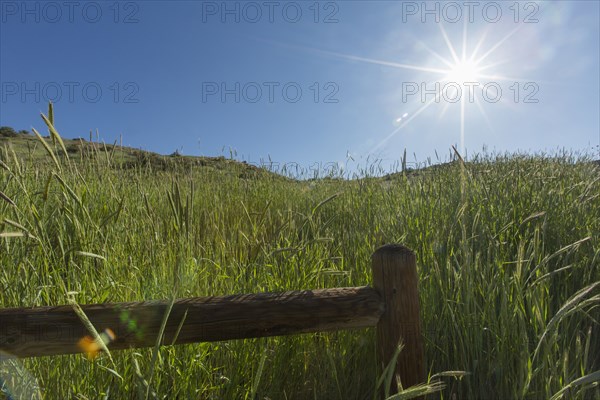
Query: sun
{"x": 463, "y": 72}
{"x": 457, "y": 76}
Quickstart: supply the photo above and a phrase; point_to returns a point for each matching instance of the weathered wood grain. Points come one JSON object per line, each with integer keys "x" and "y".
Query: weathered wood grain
{"x": 395, "y": 277}
{"x": 46, "y": 331}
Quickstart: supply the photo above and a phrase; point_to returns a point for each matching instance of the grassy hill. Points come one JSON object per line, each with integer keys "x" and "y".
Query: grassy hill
{"x": 28, "y": 147}
{"x": 508, "y": 251}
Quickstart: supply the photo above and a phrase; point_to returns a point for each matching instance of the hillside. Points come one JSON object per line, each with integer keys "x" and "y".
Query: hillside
{"x": 28, "y": 147}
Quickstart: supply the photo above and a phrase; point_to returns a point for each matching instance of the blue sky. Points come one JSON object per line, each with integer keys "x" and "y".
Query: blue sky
{"x": 307, "y": 82}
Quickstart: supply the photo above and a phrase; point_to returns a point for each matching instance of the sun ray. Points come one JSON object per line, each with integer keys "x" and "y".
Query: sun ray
{"x": 485, "y": 116}
{"x": 464, "y": 42}
{"x": 478, "y": 45}
{"x": 462, "y": 125}
{"x": 510, "y": 78}
{"x": 355, "y": 58}
{"x": 492, "y": 65}
{"x": 444, "y": 109}
{"x": 419, "y": 111}
{"x": 439, "y": 57}
{"x": 498, "y": 44}
{"x": 449, "y": 44}
{"x": 385, "y": 63}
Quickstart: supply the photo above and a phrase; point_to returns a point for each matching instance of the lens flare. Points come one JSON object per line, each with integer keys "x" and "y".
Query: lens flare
{"x": 91, "y": 347}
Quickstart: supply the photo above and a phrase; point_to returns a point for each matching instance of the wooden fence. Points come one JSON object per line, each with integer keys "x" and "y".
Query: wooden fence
{"x": 391, "y": 305}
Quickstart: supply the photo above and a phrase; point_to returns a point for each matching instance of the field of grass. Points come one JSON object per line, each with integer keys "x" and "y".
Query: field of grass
{"x": 508, "y": 251}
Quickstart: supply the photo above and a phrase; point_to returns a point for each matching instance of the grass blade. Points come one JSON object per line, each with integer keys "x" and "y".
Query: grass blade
{"x": 591, "y": 380}
{"x": 55, "y": 136}
{"x": 48, "y": 149}
{"x": 7, "y": 199}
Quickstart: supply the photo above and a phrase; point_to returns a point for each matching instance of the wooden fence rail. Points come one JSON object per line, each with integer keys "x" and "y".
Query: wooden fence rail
{"x": 392, "y": 305}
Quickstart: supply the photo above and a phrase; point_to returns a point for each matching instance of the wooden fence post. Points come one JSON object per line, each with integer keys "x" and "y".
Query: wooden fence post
{"x": 395, "y": 277}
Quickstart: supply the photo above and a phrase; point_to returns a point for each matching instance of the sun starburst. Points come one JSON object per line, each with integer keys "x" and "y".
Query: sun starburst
{"x": 457, "y": 72}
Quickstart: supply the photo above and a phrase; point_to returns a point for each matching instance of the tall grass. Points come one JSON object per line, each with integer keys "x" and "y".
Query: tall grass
{"x": 508, "y": 251}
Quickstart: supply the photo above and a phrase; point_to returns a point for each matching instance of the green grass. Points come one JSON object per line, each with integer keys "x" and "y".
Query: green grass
{"x": 508, "y": 251}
